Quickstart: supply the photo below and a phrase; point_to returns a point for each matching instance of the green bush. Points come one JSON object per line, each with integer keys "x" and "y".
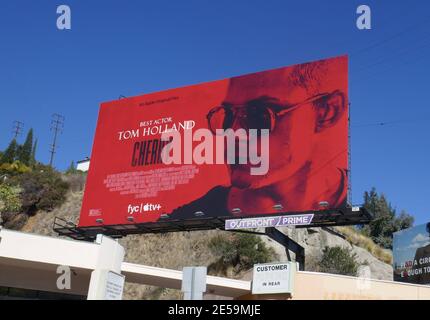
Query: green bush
{"x": 241, "y": 251}
{"x": 14, "y": 220}
{"x": 338, "y": 260}
{"x": 14, "y": 168}
{"x": 42, "y": 189}
{"x": 9, "y": 198}
{"x": 10, "y": 206}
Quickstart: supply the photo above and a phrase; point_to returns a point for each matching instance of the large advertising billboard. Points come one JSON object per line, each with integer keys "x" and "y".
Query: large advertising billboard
{"x": 411, "y": 255}
{"x": 268, "y": 143}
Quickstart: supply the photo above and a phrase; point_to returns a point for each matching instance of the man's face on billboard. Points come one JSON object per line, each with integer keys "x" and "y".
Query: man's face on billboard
{"x": 294, "y": 133}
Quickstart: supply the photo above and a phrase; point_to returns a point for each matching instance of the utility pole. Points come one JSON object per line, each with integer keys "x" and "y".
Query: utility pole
{"x": 17, "y": 129}
{"x": 57, "y": 125}
{"x": 349, "y": 197}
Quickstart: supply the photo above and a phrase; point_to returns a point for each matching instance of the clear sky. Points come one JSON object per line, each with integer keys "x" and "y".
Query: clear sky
{"x": 133, "y": 47}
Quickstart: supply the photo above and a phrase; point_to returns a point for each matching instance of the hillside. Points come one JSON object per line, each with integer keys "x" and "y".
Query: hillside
{"x": 177, "y": 250}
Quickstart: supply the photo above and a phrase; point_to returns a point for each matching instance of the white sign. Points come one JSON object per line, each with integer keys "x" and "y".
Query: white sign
{"x": 114, "y": 286}
{"x": 267, "y": 222}
{"x": 273, "y": 278}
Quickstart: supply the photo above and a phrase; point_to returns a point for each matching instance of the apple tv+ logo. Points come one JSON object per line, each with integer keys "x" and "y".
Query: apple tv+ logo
{"x": 143, "y": 207}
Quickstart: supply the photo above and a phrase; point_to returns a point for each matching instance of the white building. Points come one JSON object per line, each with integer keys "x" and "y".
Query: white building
{"x": 34, "y": 263}
{"x": 83, "y": 165}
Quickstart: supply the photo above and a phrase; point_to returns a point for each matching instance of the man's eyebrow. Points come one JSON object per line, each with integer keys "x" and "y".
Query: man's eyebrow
{"x": 262, "y": 99}
{"x": 275, "y": 103}
{"x": 267, "y": 99}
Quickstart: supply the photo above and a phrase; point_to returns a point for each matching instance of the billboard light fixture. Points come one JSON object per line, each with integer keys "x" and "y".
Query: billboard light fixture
{"x": 130, "y": 218}
{"x": 199, "y": 213}
{"x": 278, "y": 207}
{"x": 236, "y": 210}
{"x": 323, "y": 204}
{"x": 99, "y": 220}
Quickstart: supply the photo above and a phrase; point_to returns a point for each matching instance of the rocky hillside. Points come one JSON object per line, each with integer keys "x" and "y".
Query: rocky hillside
{"x": 177, "y": 250}
{"x": 315, "y": 239}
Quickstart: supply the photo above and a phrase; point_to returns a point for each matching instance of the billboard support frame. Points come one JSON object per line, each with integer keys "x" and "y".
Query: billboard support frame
{"x": 289, "y": 244}
{"x": 349, "y": 196}
{"x": 322, "y": 218}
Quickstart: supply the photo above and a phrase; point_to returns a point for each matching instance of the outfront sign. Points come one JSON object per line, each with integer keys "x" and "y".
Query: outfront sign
{"x": 267, "y": 222}
{"x": 274, "y": 278}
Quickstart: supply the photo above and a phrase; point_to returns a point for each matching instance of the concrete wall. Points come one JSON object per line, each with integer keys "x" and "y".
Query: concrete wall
{"x": 30, "y": 261}
{"x": 312, "y": 285}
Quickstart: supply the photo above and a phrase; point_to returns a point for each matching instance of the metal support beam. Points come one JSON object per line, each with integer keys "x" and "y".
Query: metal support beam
{"x": 289, "y": 244}
{"x": 281, "y": 238}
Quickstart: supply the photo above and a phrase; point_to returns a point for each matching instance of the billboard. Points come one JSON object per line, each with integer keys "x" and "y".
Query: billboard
{"x": 411, "y": 255}
{"x": 267, "y": 143}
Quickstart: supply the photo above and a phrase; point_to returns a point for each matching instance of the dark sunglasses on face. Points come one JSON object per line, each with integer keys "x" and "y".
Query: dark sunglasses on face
{"x": 257, "y": 114}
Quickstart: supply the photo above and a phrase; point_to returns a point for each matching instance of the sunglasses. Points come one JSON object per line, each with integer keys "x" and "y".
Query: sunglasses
{"x": 261, "y": 113}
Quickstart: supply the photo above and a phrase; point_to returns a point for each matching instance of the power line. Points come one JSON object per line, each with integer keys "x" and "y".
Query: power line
{"x": 17, "y": 129}
{"x": 387, "y": 123}
{"x": 392, "y": 37}
{"x": 57, "y": 125}
{"x": 395, "y": 55}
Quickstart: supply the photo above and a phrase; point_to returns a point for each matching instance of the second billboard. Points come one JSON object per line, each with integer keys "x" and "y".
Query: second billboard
{"x": 411, "y": 255}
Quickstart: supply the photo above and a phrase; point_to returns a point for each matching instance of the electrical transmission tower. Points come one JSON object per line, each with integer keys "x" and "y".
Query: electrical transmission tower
{"x": 57, "y": 125}
{"x": 17, "y": 129}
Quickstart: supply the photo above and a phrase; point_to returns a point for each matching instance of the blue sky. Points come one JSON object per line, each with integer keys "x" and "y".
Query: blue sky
{"x": 134, "y": 47}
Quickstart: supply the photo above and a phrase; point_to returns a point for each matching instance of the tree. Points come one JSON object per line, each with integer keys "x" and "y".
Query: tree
{"x": 403, "y": 221}
{"x": 385, "y": 221}
{"x": 27, "y": 149}
{"x": 72, "y": 168}
{"x": 240, "y": 251}
{"x": 10, "y": 153}
{"x": 339, "y": 260}
{"x": 33, "y": 154}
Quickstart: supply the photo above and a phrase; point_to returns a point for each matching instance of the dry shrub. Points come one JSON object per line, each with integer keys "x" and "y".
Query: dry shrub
{"x": 356, "y": 238}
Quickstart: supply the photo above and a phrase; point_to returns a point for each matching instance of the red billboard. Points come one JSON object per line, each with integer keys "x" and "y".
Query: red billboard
{"x": 163, "y": 157}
